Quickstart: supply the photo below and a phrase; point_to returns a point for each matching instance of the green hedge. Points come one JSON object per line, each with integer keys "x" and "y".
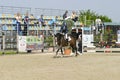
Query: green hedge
{"x": 49, "y": 40}
{"x": 8, "y": 52}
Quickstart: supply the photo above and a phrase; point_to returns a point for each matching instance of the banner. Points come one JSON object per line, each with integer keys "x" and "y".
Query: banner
{"x": 118, "y": 35}
{"x": 34, "y": 42}
{"x": 22, "y": 43}
{"x": 30, "y": 43}
{"x": 87, "y": 39}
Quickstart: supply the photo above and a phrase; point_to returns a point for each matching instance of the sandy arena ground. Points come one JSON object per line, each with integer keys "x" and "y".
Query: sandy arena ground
{"x": 44, "y": 67}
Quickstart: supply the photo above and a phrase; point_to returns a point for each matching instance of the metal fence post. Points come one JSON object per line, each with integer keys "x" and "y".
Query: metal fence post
{"x": 3, "y": 43}
{"x": 17, "y": 39}
{"x": 54, "y": 37}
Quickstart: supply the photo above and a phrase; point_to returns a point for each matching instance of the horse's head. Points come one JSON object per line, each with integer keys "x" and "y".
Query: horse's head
{"x": 75, "y": 35}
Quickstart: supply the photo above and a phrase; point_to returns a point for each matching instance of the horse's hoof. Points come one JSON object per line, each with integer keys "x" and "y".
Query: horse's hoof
{"x": 71, "y": 54}
{"x": 54, "y": 56}
{"x": 76, "y": 54}
{"x": 62, "y": 56}
{"x": 80, "y": 54}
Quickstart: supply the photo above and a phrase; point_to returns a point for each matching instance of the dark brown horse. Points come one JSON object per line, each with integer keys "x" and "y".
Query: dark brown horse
{"x": 62, "y": 42}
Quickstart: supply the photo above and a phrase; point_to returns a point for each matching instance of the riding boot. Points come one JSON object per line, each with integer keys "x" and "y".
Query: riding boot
{"x": 66, "y": 36}
{"x": 67, "y": 41}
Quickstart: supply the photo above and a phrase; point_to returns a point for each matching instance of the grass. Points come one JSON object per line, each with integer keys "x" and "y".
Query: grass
{"x": 10, "y": 52}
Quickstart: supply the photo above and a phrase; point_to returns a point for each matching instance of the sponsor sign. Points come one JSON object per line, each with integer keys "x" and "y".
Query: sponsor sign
{"x": 21, "y": 43}
{"x": 87, "y": 39}
{"x": 30, "y": 43}
{"x": 118, "y": 37}
{"x": 34, "y": 42}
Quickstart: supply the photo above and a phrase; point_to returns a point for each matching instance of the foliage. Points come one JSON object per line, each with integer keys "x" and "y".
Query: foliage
{"x": 49, "y": 40}
{"x": 69, "y": 22}
{"x": 91, "y": 16}
{"x": 105, "y": 18}
{"x": 8, "y": 52}
{"x": 88, "y": 18}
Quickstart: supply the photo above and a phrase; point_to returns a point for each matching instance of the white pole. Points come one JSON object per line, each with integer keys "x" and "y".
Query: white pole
{"x": 54, "y": 37}
{"x": 82, "y": 39}
{"x": 85, "y": 21}
{"x": 83, "y": 34}
{"x": 17, "y": 40}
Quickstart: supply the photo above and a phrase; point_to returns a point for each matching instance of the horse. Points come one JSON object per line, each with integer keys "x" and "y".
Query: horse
{"x": 62, "y": 42}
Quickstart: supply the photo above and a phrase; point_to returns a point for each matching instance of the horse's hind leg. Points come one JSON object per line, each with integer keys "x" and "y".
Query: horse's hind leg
{"x": 76, "y": 52}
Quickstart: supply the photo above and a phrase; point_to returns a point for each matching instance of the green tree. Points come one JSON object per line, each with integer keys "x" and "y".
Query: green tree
{"x": 91, "y": 16}
{"x": 87, "y": 17}
{"x": 105, "y": 18}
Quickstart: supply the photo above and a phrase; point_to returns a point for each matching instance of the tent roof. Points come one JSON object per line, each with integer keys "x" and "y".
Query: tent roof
{"x": 111, "y": 24}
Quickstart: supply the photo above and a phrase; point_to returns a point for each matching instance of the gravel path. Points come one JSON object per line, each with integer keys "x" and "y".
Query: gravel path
{"x": 44, "y": 67}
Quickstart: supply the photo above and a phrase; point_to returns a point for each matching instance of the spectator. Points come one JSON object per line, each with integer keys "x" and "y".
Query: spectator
{"x": 41, "y": 21}
{"x": 53, "y": 21}
{"x": 118, "y": 31}
{"x": 74, "y": 17}
{"x": 31, "y": 16}
{"x": 26, "y": 23}
{"x": 98, "y": 21}
{"x": 18, "y": 23}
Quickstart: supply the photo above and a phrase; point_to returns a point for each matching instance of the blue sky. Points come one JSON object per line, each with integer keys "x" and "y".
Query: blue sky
{"x": 103, "y": 7}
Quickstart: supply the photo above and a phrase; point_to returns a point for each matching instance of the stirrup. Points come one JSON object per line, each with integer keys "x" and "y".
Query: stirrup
{"x": 66, "y": 39}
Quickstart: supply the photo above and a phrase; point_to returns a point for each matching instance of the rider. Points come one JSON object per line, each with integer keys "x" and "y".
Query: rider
{"x": 68, "y": 23}
{"x": 65, "y": 15}
{"x": 64, "y": 29}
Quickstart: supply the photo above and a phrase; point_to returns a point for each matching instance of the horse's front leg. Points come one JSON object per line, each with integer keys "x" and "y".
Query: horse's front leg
{"x": 62, "y": 51}
{"x": 57, "y": 51}
{"x": 60, "y": 48}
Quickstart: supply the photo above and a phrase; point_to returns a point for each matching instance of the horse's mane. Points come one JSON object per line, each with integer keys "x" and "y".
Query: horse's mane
{"x": 75, "y": 35}
{"x": 60, "y": 39}
{"x": 59, "y": 35}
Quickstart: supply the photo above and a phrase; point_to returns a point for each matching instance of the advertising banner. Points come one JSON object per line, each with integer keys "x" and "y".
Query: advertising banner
{"x": 118, "y": 36}
{"x": 22, "y": 43}
{"x": 30, "y": 43}
{"x": 34, "y": 42}
{"x": 87, "y": 39}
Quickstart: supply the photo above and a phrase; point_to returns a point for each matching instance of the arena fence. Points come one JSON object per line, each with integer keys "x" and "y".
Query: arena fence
{"x": 14, "y": 10}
